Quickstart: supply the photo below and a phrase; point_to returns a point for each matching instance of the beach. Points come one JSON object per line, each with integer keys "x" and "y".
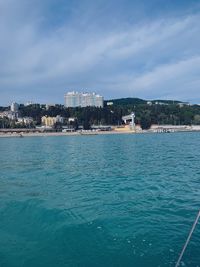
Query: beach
{"x": 125, "y": 130}
{"x": 47, "y": 134}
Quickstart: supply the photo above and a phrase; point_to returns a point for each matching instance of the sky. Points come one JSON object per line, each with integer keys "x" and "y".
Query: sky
{"x": 118, "y": 48}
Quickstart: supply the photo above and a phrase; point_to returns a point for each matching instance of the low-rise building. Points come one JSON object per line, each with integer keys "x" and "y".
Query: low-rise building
{"x": 25, "y": 120}
{"x": 29, "y": 103}
{"x": 14, "y": 107}
{"x": 9, "y": 114}
{"x": 72, "y": 119}
{"x": 2, "y": 114}
{"x": 183, "y": 104}
{"x": 47, "y": 106}
{"x": 109, "y": 103}
{"x": 51, "y": 121}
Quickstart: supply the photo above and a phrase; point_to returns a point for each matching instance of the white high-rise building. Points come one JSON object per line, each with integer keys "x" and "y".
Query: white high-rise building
{"x": 76, "y": 99}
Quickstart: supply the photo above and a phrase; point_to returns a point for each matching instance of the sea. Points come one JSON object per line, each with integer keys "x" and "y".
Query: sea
{"x": 99, "y": 200}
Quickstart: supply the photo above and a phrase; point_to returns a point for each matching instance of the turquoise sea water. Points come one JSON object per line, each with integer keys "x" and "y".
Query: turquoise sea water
{"x": 91, "y": 201}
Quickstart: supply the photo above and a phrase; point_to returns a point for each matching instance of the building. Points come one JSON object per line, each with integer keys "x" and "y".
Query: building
{"x": 4, "y": 114}
{"x": 29, "y": 103}
{"x": 72, "y": 119}
{"x": 76, "y": 99}
{"x": 9, "y": 114}
{"x": 47, "y": 106}
{"x": 183, "y": 104}
{"x": 51, "y": 121}
{"x": 14, "y": 107}
{"x": 109, "y": 103}
{"x": 25, "y": 120}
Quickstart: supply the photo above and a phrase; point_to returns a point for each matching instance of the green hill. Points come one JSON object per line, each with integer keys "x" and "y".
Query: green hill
{"x": 126, "y": 101}
{"x": 138, "y": 101}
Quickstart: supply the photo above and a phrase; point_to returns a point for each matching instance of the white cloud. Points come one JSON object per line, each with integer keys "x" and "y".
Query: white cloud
{"x": 158, "y": 58}
{"x": 176, "y": 79}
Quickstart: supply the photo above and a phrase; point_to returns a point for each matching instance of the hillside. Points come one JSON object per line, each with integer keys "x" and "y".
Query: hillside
{"x": 138, "y": 101}
{"x": 126, "y": 101}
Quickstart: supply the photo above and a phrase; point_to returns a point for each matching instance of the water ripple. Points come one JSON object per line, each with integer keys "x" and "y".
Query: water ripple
{"x": 121, "y": 200}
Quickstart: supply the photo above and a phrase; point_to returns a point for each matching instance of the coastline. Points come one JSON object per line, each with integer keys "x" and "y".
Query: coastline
{"x": 48, "y": 134}
{"x": 21, "y": 135}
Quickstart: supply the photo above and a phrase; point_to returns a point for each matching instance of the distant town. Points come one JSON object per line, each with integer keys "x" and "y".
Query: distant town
{"x": 90, "y": 113}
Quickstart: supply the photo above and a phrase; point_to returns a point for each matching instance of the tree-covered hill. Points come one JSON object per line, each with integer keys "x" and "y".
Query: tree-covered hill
{"x": 126, "y": 101}
{"x": 147, "y": 113}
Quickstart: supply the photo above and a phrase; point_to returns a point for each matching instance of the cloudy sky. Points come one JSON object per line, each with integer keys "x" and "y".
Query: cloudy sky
{"x": 118, "y": 48}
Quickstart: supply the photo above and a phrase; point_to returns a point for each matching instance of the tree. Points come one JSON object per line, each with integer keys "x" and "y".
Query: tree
{"x": 145, "y": 122}
{"x": 86, "y": 125}
{"x": 197, "y": 119}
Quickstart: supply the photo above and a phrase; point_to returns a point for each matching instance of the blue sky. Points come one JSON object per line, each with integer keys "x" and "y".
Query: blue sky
{"x": 118, "y": 48}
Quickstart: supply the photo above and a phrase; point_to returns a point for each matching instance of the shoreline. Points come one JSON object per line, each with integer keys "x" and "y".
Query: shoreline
{"x": 22, "y": 135}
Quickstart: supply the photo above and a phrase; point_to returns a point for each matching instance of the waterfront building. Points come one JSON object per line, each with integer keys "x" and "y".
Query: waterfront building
{"x": 51, "y": 121}
{"x": 76, "y": 99}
